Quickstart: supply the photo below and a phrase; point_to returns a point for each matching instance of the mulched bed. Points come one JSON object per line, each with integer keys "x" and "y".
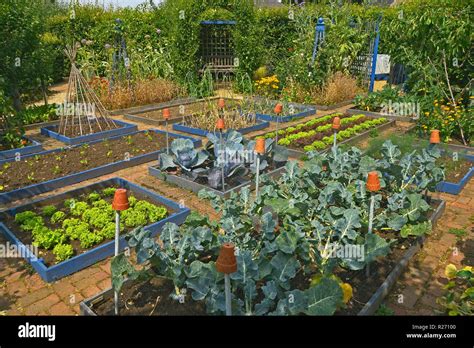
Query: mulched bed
{"x": 50, "y": 166}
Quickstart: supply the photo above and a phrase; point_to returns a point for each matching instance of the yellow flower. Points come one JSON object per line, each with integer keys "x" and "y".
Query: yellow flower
{"x": 427, "y": 113}
{"x": 450, "y": 271}
{"x": 467, "y": 268}
{"x": 346, "y": 291}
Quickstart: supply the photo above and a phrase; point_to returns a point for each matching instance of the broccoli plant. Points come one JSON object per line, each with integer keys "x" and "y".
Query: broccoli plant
{"x": 185, "y": 157}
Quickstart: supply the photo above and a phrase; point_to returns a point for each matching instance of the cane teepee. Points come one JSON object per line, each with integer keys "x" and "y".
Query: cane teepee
{"x": 82, "y": 112}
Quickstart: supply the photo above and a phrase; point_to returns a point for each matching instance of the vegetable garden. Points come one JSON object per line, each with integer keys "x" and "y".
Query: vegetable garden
{"x": 282, "y": 168}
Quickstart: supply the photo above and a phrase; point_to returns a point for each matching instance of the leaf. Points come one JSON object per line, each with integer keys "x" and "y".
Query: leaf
{"x": 246, "y": 267}
{"x": 323, "y": 298}
{"x": 122, "y": 269}
{"x": 287, "y": 240}
{"x": 284, "y": 267}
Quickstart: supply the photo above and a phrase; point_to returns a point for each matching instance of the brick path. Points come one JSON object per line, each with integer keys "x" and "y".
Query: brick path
{"x": 23, "y": 292}
{"x": 424, "y": 277}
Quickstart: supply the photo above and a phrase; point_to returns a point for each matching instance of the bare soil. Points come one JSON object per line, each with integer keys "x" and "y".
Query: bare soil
{"x": 150, "y": 298}
{"x": 54, "y": 165}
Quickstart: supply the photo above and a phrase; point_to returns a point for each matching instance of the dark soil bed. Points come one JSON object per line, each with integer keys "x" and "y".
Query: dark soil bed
{"x": 94, "y": 126}
{"x": 54, "y": 165}
{"x": 150, "y": 298}
{"x": 49, "y": 259}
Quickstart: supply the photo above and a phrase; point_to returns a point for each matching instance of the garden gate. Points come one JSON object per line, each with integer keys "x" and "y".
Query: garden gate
{"x": 217, "y": 53}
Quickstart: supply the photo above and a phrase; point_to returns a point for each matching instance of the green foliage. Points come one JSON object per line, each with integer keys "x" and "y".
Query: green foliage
{"x": 63, "y": 252}
{"x": 90, "y": 239}
{"x": 49, "y": 210}
{"x": 416, "y": 230}
{"x": 57, "y": 217}
{"x": 459, "y": 296}
{"x": 109, "y": 191}
{"x": 93, "y": 197}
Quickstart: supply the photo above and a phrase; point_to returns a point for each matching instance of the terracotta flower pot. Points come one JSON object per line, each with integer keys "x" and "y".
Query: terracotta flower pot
{"x": 434, "y": 137}
{"x": 221, "y": 103}
{"x": 373, "y": 182}
{"x": 336, "y": 123}
{"x": 278, "y": 108}
{"x": 220, "y": 123}
{"x": 260, "y": 146}
{"x": 166, "y": 114}
{"x": 226, "y": 261}
{"x": 120, "y": 201}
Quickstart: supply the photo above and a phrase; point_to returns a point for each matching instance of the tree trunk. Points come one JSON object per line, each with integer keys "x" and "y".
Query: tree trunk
{"x": 45, "y": 91}
{"x": 16, "y": 99}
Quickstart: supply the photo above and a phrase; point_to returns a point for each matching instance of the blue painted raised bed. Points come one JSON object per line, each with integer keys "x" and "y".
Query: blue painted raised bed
{"x": 33, "y": 148}
{"x": 202, "y": 132}
{"x": 36, "y": 189}
{"x": 125, "y": 128}
{"x": 303, "y": 112}
{"x": 455, "y": 188}
{"x": 76, "y": 263}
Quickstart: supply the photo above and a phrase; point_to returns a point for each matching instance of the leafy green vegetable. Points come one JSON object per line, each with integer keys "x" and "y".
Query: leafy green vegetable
{"x": 57, "y": 217}
{"x": 63, "y": 252}
{"x": 49, "y": 210}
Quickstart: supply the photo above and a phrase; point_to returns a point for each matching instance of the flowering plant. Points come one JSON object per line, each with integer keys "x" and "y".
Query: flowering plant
{"x": 268, "y": 86}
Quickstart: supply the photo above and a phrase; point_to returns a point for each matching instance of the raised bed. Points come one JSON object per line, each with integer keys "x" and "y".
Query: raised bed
{"x": 152, "y": 114}
{"x": 152, "y": 107}
{"x": 124, "y": 128}
{"x": 49, "y": 185}
{"x": 202, "y": 132}
{"x": 54, "y": 272}
{"x": 355, "y": 111}
{"x": 377, "y": 298}
{"x": 34, "y": 147}
{"x": 455, "y": 188}
{"x": 87, "y": 306}
{"x": 295, "y": 153}
{"x": 193, "y": 186}
{"x": 301, "y": 111}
